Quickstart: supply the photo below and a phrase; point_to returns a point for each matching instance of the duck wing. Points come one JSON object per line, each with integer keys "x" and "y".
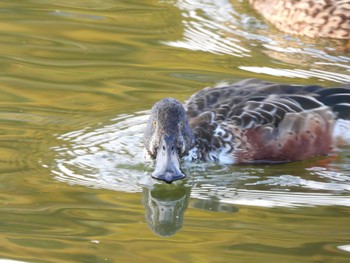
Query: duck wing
{"x": 258, "y": 121}
{"x": 261, "y": 99}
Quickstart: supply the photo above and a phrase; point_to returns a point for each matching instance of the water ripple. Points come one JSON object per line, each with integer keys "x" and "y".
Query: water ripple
{"x": 111, "y": 157}
{"x": 269, "y": 198}
{"x": 106, "y": 157}
{"x": 216, "y": 27}
{"x": 205, "y": 28}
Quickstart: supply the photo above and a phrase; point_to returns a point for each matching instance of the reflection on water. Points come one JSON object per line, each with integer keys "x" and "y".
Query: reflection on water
{"x": 210, "y": 26}
{"x": 166, "y": 204}
{"x": 109, "y": 157}
{"x": 216, "y": 27}
{"x": 165, "y": 207}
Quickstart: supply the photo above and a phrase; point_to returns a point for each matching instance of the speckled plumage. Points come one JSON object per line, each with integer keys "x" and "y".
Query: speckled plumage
{"x": 311, "y": 18}
{"x": 256, "y": 121}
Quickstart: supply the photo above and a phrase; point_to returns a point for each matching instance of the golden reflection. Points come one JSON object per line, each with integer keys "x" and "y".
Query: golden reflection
{"x": 88, "y": 35}
{"x": 11, "y": 27}
{"x": 299, "y": 73}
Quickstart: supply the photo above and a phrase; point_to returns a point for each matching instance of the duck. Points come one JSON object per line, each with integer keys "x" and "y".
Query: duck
{"x": 248, "y": 122}
{"x": 311, "y": 18}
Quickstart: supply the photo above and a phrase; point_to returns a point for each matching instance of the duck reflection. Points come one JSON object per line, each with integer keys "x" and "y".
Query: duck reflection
{"x": 165, "y": 206}
{"x": 214, "y": 204}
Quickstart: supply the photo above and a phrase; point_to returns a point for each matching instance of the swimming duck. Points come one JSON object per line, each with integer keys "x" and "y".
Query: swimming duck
{"x": 248, "y": 122}
{"x": 312, "y": 18}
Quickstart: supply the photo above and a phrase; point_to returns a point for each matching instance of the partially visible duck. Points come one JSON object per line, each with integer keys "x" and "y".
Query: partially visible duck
{"x": 311, "y": 18}
{"x": 248, "y": 122}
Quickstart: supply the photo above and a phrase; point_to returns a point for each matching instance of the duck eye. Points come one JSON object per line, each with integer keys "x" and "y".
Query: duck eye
{"x": 154, "y": 123}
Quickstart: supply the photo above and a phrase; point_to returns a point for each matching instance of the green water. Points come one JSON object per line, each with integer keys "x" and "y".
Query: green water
{"x": 77, "y": 80}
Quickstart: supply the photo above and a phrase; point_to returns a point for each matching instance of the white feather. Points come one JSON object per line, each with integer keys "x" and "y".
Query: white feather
{"x": 341, "y": 132}
{"x": 226, "y": 157}
{"x": 192, "y": 155}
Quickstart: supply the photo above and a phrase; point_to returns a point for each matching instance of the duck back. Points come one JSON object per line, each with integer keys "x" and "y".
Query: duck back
{"x": 311, "y": 18}
{"x": 254, "y": 121}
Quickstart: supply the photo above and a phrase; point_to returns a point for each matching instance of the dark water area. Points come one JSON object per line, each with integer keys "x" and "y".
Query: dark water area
{"x": 77, "y": 81}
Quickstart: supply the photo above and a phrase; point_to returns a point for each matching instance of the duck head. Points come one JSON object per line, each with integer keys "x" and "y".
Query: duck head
{"x": 168, "y": 137}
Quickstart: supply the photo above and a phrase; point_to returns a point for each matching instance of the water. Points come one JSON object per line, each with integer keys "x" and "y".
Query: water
{"x": 77, "y": 81}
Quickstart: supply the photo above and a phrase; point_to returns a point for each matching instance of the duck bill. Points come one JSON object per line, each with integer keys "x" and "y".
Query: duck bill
{"x": 167, "y": 167}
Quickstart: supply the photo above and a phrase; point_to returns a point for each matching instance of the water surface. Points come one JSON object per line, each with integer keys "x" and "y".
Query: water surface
{"x": 77, "y": 81}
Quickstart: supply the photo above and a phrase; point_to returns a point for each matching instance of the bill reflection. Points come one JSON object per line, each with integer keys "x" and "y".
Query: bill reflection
{"x": 165, "y": 207}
